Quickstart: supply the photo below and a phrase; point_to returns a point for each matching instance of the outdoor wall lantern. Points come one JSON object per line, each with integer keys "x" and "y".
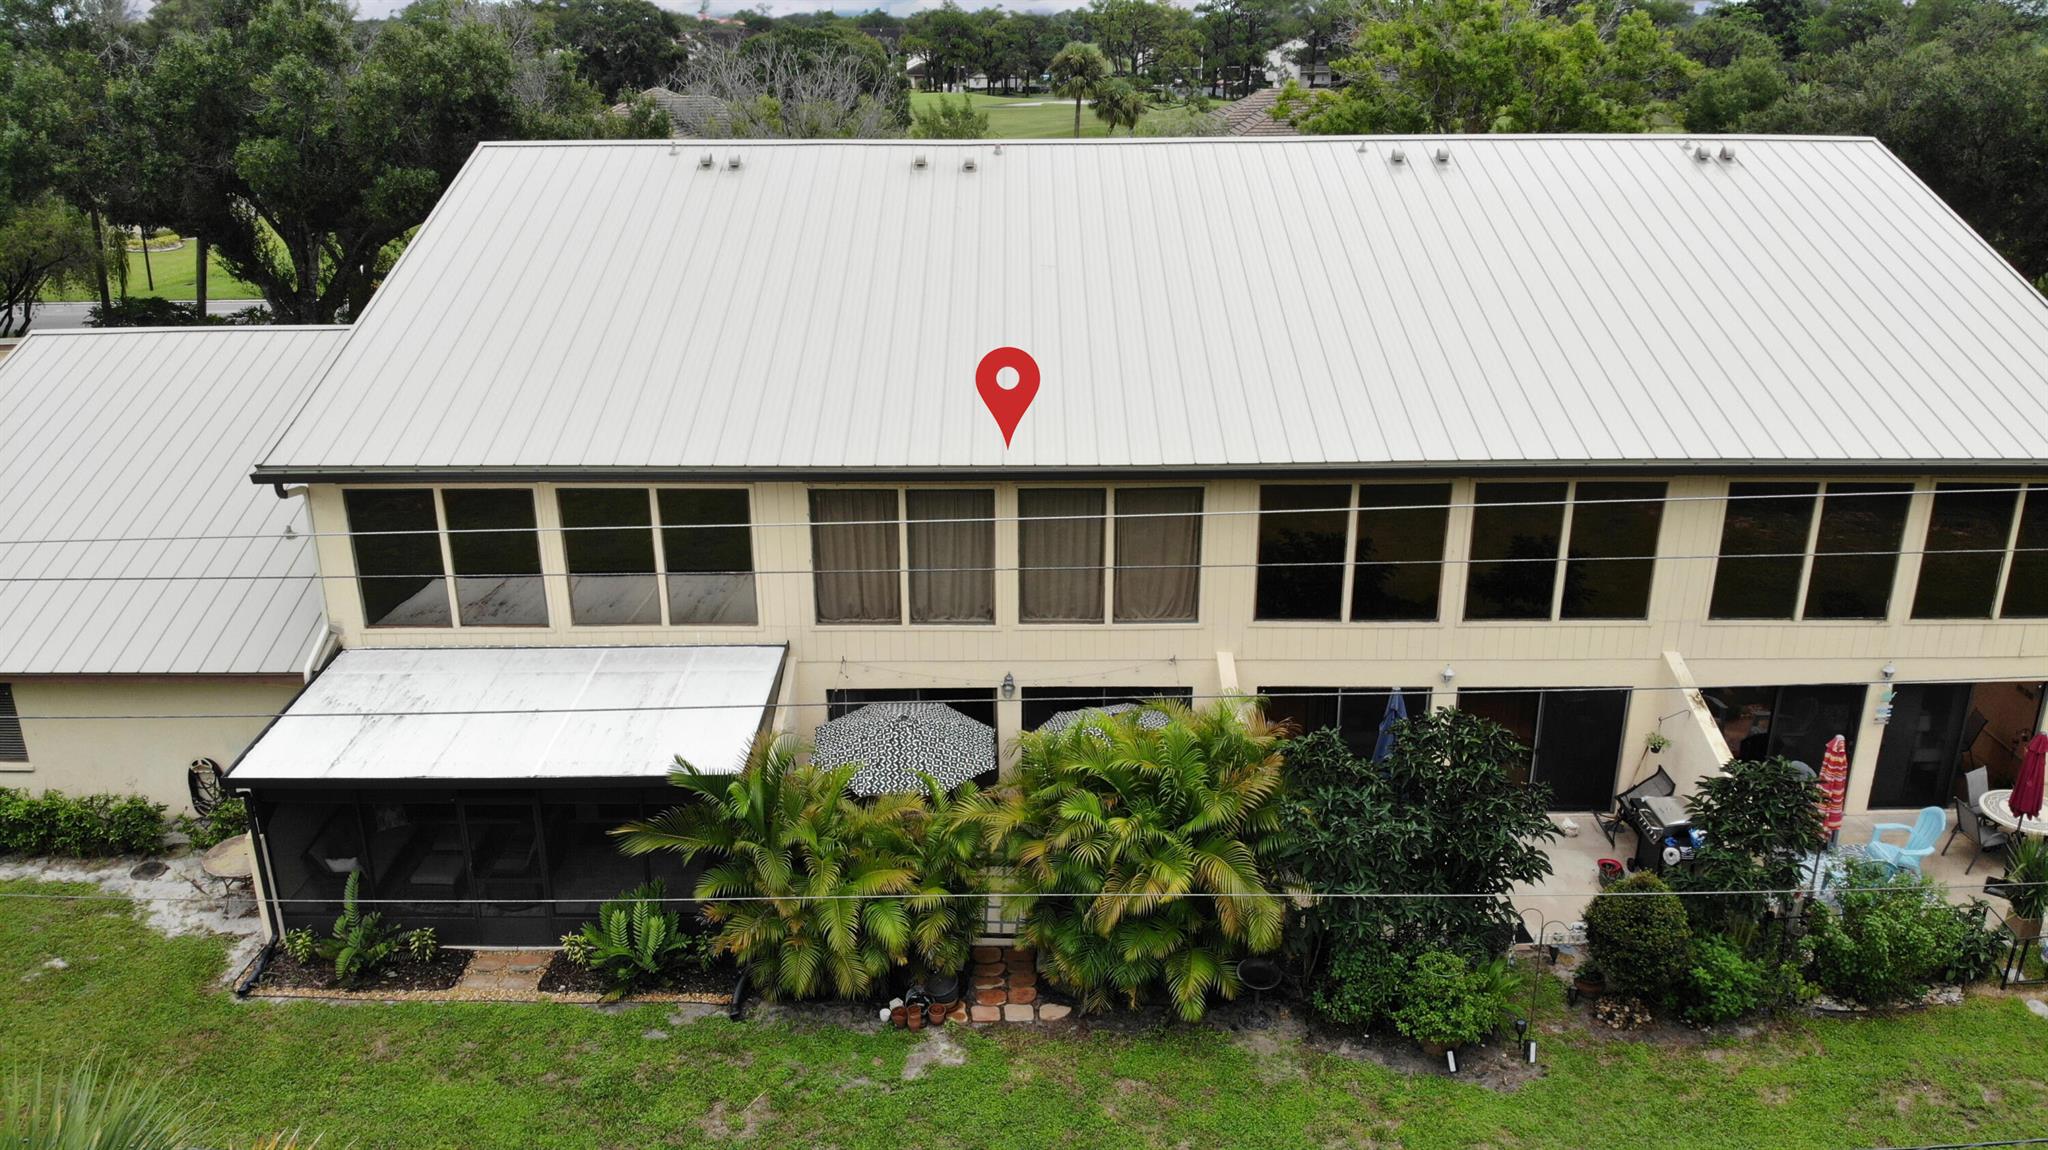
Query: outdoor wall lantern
{"x": 1009, "y": 685}
{"x": 1448, "y": 673}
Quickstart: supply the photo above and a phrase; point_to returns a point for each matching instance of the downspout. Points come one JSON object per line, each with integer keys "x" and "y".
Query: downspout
{"x": 325, "y": 642}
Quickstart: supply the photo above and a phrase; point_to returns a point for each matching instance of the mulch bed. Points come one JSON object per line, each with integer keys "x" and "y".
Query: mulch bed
{"x": 402, "y": 973}
{"x": 565, "y": 977}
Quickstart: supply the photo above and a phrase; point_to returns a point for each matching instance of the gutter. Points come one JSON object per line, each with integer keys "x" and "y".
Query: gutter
{"x": 321, "y": 651}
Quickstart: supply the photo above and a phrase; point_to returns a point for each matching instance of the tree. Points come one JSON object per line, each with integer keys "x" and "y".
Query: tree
{"x": 945, "y": 120}
{"x": 1760, "y": 820}
{"x": 1442, "y": 814}
{"x": 1122, "y": 837}
{"x": 1497, "y": 66}
{"x": 44, "y": 242}
{"x": 945, "y": 36}
{"x": 621, "y": 46}
{"x": 808, "y": 84}
{"x": 1966, "y": 109}
{"x": 1119, "y": 105}
{"x": 1078, "y": 70}
{"x": 1240, "y": 34}
{"x": 1133, "y": 33}
{"x": 810, "y": 865}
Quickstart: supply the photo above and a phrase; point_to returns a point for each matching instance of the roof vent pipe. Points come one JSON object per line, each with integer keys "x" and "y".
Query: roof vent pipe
{"x": 1727, "y": 153}
{"x": 918, "y": 161}
{"x": 1701, "y": 154}
{"x": 705, "y": 160}
{"x": 967, "y": 165}
{"x": 1443, "y": 154}
{"x": 675, "y": 149}
{"x": 732, "y": 162}
{"x": 1397, "y": 156}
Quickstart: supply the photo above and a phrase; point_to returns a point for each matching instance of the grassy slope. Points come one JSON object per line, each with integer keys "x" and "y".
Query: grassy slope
{"x": 174, "y": 279}
{"x": 417, "y": 1075}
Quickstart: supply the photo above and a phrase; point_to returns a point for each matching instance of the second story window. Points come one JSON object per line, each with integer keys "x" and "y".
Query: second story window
{"x": 608, "y": 538}
{"x": 952, "y": 537}
{"x": 1605, "y": 533}
{"x": 854, "y": 556}
{"x": 495, "y": 551}
{"x": 13, "y": 747}
{"x": 1400, "y": 550}
{"x": 1967, "y": 529}
{"x": 1396, "y": 557}
{"x": 707, "y": 551}
{"x": 2026, "y": 582}
{"x": 1158, "y": 554}
{"x": 1060, "y": 540}
{"x": 396, "y": 536}
{"x": 1796, "y": 551}
{"x": 1302, "y": 532}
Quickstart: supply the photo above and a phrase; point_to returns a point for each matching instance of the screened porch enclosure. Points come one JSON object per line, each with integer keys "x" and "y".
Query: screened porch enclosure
{"x": 482, "y": 866}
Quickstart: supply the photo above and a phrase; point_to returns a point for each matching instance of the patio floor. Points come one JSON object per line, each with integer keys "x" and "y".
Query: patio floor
{"x": 1550, "y": 905}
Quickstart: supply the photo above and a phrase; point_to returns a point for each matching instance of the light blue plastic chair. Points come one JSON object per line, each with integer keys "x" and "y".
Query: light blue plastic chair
{"x": 1919, "y": 840}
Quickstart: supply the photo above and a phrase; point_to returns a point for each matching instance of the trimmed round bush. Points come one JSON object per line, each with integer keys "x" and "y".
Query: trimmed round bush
{"x": 1640, "y": 938}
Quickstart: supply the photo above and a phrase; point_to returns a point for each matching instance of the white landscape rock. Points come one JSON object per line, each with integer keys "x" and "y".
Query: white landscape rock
{"x": 2039, "y": 1007}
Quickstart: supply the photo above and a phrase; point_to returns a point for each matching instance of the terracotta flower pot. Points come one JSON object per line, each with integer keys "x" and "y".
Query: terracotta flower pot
{"x": 1589, "y": 987}
{"x": 2025, "y": 929}
{"x": 914, "y": 1018}
{"x": 937, "y": 1012}
{"x": 898, "y": 1015}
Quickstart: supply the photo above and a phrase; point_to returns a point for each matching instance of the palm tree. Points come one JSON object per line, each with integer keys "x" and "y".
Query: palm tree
{"x": 1143, "y": 852}
{"x": 1118, "y": 104}
{"x": 1077, "y": 71}
{"x": 809, "y": 865}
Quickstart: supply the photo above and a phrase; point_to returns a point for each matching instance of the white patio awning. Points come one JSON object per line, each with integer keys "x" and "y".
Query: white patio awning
{"x": 470, "y": 715}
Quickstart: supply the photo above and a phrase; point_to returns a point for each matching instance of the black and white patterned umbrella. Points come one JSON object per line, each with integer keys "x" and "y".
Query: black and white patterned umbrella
{"x": 893, "y": 742}
{"x": 1061, "y": 720}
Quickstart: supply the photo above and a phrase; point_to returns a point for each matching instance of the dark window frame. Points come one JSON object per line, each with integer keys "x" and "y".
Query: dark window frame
{"x": 1568, "y": 556}
{"x": 1811, "y": 555}
{"x": 669, "y": 569}
{"x": 13, "y": 740}
{"x": 357, "y": 534}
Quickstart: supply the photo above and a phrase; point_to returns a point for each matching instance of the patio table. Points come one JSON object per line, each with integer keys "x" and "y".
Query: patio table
{"x": 1997, "y": 806}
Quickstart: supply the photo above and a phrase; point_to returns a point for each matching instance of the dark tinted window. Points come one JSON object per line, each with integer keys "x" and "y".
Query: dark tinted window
{"x": 496, "y": 553}
{"x": 1354, "y": 712}
{"x": 709, "y": 554}
{"x": 1042, "y": 703}
{"x": 398, "y": 557}
{"x": 1856, "y": 553}
{"x": 609, "y": 539}
{"x": 1966, "y": 536}
{"x": 13, "y": 748}
{"x": 2026, "y": 585}
{"x": 1614, "y": 541}
{"x": 854, "y": 556}
{"x": 1763, "y": 549}
{"x": 1059, "y": 554}
{"x": 1400, "y": 550}
{"x": 1515, "y": 528}
{"x": 1301, "y": 551}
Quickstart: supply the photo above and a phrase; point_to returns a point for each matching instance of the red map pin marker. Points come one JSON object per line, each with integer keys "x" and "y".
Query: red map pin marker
{"x": 1008, "y": 405}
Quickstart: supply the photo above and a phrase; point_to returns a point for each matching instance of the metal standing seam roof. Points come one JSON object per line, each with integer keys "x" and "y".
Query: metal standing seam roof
{"x": 818, "y": 307}
{"x": 385, "y": 714}
{"x": 122, "y": 433}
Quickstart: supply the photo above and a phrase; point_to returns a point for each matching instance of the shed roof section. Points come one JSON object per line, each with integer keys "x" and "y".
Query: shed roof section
{"x": 466, "y": 715}
{"x": 131, "y": 541}
{"x": 820, "y": 307}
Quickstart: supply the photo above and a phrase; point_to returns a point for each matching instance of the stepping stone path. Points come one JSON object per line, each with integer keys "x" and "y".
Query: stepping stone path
{"x": 1003, "y": 987}
{"x": 505, "y": 971}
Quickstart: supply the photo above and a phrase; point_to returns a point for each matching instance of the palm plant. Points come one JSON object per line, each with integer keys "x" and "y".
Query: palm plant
{"x": 1077, "y": 71}
{"x": 806, "y": 865}
{"x": 1142, "y": 853}
{"x": 88, "y": 1110}
{"x": 950, "y": 852}
{"x": 1119, "y": 105}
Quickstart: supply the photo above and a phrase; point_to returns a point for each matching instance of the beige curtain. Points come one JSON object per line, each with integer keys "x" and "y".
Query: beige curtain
{"x": 1059, "y": 555}
{"x": 952, "y": 564}
{"x": 1158, "y": 554}
{"x": 855, "y": 565}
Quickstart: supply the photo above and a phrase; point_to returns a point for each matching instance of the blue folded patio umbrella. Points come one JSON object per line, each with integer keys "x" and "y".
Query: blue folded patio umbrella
{"x": 1397, "y": 710}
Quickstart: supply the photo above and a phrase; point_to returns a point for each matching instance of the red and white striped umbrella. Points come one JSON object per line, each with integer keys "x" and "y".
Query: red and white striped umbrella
{"x": 1834, "y": 785}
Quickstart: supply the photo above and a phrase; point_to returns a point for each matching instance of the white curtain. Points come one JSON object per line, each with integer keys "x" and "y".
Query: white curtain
{"x": 1059, "y": 555}
{"x": 1158, "y": 554}
{"x": 952, "y": 556}
{"x": 854, "y": 556}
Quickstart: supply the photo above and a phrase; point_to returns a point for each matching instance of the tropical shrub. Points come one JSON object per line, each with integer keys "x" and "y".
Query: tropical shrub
{"x": 1638, "y": 933}
{"x": 1442, "y": 814}
{"x": 1893, "y": 936}
{"x": 228, "y": 819}
{"x": 1759, "y": 820}
{"x": 423, "y": 944}
{"x": 1445, "y": 1002}
{"x": 88, "y": 1108}
{"x": 636, "y": 942}
{"x": 301, "y": 944}
{"x": 86, "y": 826}
{"x": 1119, "y": 836}
{"x": 814, "y": 867}
{"x": 1721, "y": 983}
{"x": 1361, "y": 985}
{"x": 361, "y": 943}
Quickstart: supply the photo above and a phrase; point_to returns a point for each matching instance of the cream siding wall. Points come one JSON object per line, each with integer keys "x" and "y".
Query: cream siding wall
{"x": 1484, "y": 654}
{"x": 137, "y": 756}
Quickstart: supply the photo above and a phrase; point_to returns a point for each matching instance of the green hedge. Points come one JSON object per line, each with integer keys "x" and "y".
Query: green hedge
{"x": 88, "y": 826}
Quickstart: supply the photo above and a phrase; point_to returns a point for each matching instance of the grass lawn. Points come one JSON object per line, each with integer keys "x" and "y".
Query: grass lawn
{"x": 174, "y": 279}
{"x": 1025, "y": 117}
{"x": 489, "y": 1075}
